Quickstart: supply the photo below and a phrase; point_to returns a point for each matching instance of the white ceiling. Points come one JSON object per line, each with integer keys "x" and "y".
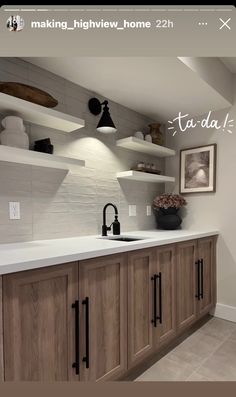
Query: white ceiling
{"x": 158, "y": 87}
{"x": 230, "y": 63}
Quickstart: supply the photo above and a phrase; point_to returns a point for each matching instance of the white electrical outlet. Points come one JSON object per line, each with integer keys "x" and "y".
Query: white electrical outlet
{"x": 132, "y": 210}
{"x": 14, "y": 210}
{"x": 149, "y": 210}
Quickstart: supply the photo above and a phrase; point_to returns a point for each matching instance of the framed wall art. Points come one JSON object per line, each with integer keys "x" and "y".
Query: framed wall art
{"x": 198, "y": 169}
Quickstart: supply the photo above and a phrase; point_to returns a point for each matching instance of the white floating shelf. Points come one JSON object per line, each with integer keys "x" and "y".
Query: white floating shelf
{"x": 139, "y": 145}
{"x": 21, "y": 156}
{"x": 38, "y": 114}
{"x": 144, "y": 177}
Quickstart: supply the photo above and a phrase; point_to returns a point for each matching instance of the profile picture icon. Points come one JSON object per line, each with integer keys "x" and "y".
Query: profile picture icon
{"x": 15, "y": 23}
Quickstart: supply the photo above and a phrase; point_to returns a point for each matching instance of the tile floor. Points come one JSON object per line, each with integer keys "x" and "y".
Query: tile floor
{"x": 209, "y": 354}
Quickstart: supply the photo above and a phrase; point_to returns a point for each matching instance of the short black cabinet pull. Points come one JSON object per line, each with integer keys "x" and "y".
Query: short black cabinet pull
{"x": 75, "y": 365}
{"x": 154, "y": 320}
{"x": 202, "y": 287}
{"x": 86, "y": 357}
{"x": 159, "y": 276}
{"x": 198, "y": 279}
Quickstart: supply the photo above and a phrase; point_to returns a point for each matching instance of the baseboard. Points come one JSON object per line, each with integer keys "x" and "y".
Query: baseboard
{"x": 225, "y": 312}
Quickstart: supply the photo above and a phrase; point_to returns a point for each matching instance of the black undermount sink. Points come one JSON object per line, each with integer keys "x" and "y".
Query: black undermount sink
{"x": 122, "y": 238}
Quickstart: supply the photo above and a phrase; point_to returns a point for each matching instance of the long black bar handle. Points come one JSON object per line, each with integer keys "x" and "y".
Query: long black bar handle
{"x": 86, "y": 357}
{"x": 198, "y": 279}
{"x": 75, "y": 365}
{"x": 154, "y": 320}
{"x": 202, "y": 284}
{"x": 160, "y": 298}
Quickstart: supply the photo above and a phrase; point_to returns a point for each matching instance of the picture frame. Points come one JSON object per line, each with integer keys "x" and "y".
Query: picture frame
{"x": 198, "y": 169}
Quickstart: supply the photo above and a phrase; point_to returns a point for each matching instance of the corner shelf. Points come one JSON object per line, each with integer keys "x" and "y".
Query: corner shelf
{"x": 39, "y": 115}
{"x": 139, "y": 145}
{"x": 144, "y": 177}
{"x": 22, "y": 156}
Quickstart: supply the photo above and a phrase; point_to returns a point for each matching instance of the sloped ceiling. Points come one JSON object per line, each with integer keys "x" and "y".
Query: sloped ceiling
{"x": 158, "y": 87}
{"x": 230, "y": 63}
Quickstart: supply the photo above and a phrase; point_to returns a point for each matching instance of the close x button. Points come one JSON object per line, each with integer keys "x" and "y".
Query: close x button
{"x": 225, "y": 24}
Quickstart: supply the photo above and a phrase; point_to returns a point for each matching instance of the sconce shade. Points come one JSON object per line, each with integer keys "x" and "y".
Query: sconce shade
{"x": 105, "y": 124}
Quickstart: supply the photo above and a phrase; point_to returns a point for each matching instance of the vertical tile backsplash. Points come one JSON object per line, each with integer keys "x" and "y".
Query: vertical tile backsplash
{"x": 59, "y": 204}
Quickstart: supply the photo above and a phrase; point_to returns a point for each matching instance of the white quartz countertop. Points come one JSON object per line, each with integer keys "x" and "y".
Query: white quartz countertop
{"x": 16, "y": 257}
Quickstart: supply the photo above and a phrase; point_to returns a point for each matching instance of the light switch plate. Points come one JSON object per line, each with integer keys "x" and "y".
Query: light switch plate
{"x": 149, "y": 210}
{"x": 14, "y": 210}
{"x": 132, "y": 210}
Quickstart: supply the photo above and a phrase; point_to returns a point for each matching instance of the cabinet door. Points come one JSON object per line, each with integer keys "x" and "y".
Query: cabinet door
{"x": 141, "y": 269}
{"x": 206, "y": 254}
{"x": 39, "y": 323}
{"x": 166, "y": 271}
{"x": 186, "y": 284}
{"x": 103, "y": 320}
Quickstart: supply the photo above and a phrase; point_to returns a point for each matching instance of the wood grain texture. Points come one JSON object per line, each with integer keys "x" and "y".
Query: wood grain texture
{"x": 186, "y": 284}
{"x": 206, "y": 251}
{"x": 166, "y": 262}
{"x": 214, "y": 273}
{"x": 141, "y": 268}
{"x": 1, "y": 335}
{"x": 39, "y": 339}
{"x": 104, "y": 282}
{"x": 39, "y": 342}
{"x": 152, "y": 359}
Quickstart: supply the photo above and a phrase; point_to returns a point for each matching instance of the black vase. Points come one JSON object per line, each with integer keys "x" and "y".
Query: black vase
{"x": 44, "y": 146}
{"x": 168, "y": 219}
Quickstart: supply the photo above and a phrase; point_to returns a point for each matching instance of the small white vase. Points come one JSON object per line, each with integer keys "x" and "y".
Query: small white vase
{"x": 139, "y": 135}
{"x": 14, "y": 133}
{"x": 148, "y": 138}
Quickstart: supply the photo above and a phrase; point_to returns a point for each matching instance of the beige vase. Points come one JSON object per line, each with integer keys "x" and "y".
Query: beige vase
{"x": 156, "y": 134}
{"x": 14, "y": 133}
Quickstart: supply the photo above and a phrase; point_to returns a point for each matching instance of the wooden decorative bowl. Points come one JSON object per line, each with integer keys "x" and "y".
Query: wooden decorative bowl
{"x": 28, "y": 93}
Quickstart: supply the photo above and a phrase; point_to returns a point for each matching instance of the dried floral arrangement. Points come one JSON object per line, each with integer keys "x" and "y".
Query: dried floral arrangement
{"x": 169, "y": 200}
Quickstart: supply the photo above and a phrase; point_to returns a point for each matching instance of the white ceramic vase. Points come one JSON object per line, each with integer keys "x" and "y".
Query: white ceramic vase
{"x": 148, "y": 138}
{"x": 139, "y": 135}
{"x": 14, "y": 133}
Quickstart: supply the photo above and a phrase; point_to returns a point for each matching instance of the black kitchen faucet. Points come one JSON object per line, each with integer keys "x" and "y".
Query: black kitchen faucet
{"x": 115, "y": 225}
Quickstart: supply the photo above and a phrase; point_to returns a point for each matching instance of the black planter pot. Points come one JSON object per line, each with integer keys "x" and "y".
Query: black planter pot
{"x": 168, "y": 219}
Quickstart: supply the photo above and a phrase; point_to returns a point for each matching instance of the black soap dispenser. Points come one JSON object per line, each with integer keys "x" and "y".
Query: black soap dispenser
{"x": 116, "y": 226}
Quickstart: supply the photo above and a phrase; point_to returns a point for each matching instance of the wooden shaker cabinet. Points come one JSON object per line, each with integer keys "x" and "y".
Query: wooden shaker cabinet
{"x": 93, "y": 320}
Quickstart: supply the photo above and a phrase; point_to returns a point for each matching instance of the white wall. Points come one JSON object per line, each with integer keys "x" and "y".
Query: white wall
{"x": 56, "y": 205}
{"x": 214, "y": 210}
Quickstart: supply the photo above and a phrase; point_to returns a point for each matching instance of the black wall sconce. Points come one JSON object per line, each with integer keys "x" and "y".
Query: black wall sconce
{"x": 105, "y": 124}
